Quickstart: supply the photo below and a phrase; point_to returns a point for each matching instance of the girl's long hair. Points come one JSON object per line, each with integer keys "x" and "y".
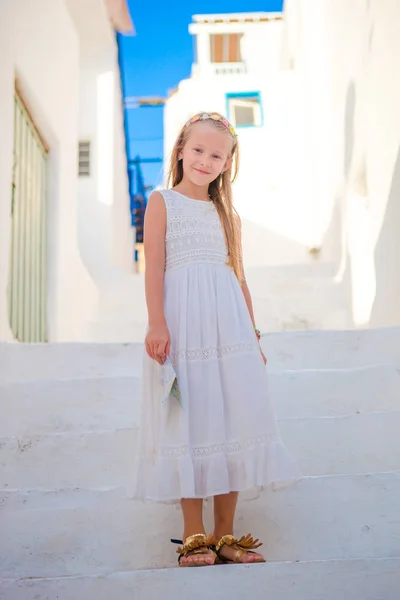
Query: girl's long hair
{"x": 219, "y": 190}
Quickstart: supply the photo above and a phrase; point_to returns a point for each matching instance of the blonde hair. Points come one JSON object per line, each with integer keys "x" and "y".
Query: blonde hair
{"x": 219, "y": 190}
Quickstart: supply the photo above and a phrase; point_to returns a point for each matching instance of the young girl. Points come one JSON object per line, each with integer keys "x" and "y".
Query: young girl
{"x": 218, "y": 436}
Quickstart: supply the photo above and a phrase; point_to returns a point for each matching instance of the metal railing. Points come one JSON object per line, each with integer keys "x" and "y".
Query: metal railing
{"x": 222, "y": 68}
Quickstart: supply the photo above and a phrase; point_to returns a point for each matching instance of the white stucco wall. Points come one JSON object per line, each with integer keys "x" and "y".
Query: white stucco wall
{"x": 105, "y": 233}
{"x": 347, "y": 55}
{"x": 39, "y": 44}
{"x": 272, "y": 194}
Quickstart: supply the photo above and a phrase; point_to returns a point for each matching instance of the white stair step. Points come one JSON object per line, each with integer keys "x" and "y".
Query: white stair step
{"x": 289, "y": 272}
{"x": 338, "y": 445}
{"x": 321, "y": 446}
{"x": 273, "y": 316}
{"x": 53, "y": 534}
{"x": 109, "y": 328}
{"x": 76, "y": 405}
{"x": 336, "y": 392}
{"x": 332, "y": 349}
{"x": 376, "y": 579}
{"x": 300, "y": 304}
{"x": 42, "y": 362}
{"x": 285, "y": 351}
{"x": 261, "y": 281}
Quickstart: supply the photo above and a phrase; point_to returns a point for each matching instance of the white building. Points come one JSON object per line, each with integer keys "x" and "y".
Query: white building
{"x": 346, "y": 56}
{"x": 61, "y": 233}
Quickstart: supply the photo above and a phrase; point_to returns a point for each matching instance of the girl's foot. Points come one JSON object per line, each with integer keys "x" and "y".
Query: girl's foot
{"x": 231, "y": 550}
{"x": 205, "y": 558}
{"x": 197, "y": 551}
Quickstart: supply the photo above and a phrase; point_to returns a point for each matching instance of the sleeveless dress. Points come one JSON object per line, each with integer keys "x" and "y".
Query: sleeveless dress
{"x": 222, "y": 435}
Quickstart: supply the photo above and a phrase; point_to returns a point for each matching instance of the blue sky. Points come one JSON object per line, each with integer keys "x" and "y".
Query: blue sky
{"x": 159, "y": 56}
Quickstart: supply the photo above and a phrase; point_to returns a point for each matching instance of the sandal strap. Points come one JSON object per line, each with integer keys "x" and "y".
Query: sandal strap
{"x": 196, "y": 544}
{"x": 228, "y": 540}
{"x": 246, "y": 543}
{"x": 239, "y": 554}
{"x": 175, "y": 541}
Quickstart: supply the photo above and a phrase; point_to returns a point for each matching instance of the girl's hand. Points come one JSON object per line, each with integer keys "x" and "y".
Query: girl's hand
{"x": 263, "y": 356}
{"x": 158, "y": 343}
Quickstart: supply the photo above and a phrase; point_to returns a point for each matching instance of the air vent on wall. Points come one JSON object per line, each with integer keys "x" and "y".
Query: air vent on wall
{"x": 84, "y": 159}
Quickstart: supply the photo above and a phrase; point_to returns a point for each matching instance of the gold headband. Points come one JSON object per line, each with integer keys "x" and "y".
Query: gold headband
{"x": 213, "y": 117}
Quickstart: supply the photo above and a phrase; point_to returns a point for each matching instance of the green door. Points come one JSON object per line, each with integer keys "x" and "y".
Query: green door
{"x": 27, "y": 276}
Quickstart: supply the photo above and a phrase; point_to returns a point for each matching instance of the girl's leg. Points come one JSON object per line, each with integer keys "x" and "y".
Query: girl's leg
{"x": 192, "y": 510}
{"x": 224, "y": 516}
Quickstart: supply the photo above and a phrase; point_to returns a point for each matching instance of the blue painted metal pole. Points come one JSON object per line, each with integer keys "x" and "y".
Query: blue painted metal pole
{"x": 126, "y": 132}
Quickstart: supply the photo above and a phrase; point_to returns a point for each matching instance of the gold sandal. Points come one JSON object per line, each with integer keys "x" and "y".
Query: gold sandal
{"x": 198, "y": 543}
{"x": 243, "y": 546}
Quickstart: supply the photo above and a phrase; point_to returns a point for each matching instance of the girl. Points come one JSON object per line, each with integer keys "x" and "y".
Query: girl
{"x": 218, "y": 436}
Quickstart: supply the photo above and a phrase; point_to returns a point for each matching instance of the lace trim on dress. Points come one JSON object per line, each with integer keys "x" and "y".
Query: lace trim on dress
{"x": 199, "y": 238}
{"x": 199, "y": 255}
{"x": 225, "y": 448}
{"x": 180, "y": 225}
{"x": 213, "y": 352}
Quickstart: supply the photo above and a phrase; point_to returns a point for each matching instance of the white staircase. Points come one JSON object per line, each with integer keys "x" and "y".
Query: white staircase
{"x": 70, "y": 530}
{"x": 286, "y": 297}
{"x": 298, "y": 297}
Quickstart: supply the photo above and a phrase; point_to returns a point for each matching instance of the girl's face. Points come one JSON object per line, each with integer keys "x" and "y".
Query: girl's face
{"x": 206, "y": 153}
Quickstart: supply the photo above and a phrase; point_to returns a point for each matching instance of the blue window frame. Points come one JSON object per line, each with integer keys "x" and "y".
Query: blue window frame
{"x": 244, "y": 109}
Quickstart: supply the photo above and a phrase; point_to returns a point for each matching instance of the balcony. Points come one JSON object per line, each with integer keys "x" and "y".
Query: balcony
{"x": 229, "y": 68}
{"x": 219, "y": 68}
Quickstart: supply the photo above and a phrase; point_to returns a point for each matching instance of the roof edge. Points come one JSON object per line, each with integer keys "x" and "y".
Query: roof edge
{"x": 120, "y": 16}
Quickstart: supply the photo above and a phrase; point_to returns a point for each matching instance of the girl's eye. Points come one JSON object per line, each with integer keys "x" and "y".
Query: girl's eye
{"x": 216, "y": 156}
{"x": 197, "y": 150}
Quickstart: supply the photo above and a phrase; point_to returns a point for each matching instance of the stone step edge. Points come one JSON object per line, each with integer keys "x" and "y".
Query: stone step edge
{"x": 305, "y": 334}
{"x": 114, "y": 489}
{"x": 268, "y": 565}
{"x": 93, "y": 432}
{"x": 276, "y": 372}
{"x": 319, "y": 371}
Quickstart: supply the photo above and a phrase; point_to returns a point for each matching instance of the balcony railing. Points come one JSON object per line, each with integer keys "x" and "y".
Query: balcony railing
{"x": 221, "y": 68}
{"x": 229, "y": 68}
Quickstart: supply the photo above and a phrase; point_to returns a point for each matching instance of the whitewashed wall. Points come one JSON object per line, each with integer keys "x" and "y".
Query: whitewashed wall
{"x": 38, "y": 43}
{"x": 105, "y": 232}
{"x": 347, "y": 55}
{"x": 65, "y": 57}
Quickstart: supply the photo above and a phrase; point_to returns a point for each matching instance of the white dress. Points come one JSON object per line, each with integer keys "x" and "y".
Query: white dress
{"x": 223, "y": 435}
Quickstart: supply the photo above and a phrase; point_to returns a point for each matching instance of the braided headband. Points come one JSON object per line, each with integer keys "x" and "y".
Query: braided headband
{"x": 213, "y": 117}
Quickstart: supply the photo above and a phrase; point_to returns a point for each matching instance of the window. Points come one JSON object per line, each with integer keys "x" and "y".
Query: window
{"x": 225, "y": 48}
{"x": 84, "y": 159}
{"x": 244, "y": 109}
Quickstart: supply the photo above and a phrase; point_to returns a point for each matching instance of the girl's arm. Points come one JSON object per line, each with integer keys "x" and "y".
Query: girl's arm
{"x": 247, "y": 297}
{"x": 243, "y": 283}
{"x": 157, "y": 339}
{"x": 244, "y": 286}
